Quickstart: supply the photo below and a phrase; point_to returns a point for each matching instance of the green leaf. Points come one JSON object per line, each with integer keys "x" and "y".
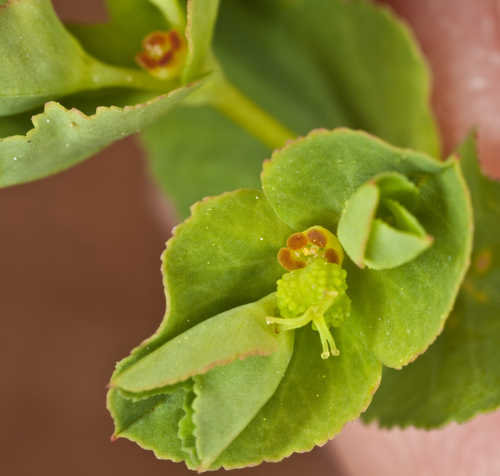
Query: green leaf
{"x": 201, "y": 16}
{"x": 152, "y": 423}
{"x": 384, "y": 237}
{"x": 459, "y": 375}
{"x": 61, "y": 138}
{"x": 231, "y": 240}
{"x": 243, "y": 387}
{"x": 386, "y": 93}
{"x": 356, "y": 222}
{"x": 314, "y": 400}
{"x": 209, "y": 165}
{"x": 186, "y": 430}
{"x": 388, "y": 247}
{"x": 239, "y": 333}
{"x": 332, "y": 47}
{"x": 394, "y": 303}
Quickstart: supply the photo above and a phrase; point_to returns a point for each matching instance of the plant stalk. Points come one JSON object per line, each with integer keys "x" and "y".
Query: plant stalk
{"x": 244, "y": 112}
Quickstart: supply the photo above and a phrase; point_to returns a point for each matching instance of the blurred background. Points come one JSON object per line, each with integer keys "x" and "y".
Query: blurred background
{"x": 81, "y": 285}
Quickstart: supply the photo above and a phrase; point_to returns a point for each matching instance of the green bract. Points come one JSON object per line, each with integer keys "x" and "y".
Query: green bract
{"x": 376, "y": 229}
{"x": 217, "y": 386}
{"x": 459, "y": 375}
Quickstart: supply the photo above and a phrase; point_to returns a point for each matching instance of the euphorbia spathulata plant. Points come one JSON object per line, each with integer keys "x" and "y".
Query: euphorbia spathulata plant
{"x": 289, "y": 300}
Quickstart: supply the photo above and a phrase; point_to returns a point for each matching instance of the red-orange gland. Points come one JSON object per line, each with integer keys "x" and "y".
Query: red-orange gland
{"x": 303, "y": 247}
{"x": 163, "y": 54}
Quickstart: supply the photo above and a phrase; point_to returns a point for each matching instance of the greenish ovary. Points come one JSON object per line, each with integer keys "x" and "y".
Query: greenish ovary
{"x": 316, "y": 294}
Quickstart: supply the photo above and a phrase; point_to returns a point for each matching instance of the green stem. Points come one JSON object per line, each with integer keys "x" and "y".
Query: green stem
{"x": 104, "y": 76}
{"x": 244, "y": 112}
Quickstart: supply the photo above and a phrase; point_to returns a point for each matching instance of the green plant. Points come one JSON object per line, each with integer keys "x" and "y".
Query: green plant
{"x": 265, "y": 313}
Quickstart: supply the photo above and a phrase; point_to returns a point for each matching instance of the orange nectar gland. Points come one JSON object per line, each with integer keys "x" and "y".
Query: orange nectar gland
{"x": 314, "y": 291}
{"x": 303, "y": 247}
{"x": 163, "y": 54}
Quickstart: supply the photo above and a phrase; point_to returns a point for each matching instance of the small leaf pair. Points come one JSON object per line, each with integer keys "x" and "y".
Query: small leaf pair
{"x": 376, "y": 229}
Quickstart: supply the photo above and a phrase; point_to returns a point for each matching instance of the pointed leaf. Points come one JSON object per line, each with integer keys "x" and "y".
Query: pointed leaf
{"x": 201, "y": 17}
{"x": 243, "y": 387}
{"x": 396, "y": 186}
{"x": 403, "y": 219}
{"x": 152, "y": 423}
{"x": 370, "y": 240}
{"x": 389, "y": 248}
{"x": 238, "y": 333}
{"x": 356, "y": 222}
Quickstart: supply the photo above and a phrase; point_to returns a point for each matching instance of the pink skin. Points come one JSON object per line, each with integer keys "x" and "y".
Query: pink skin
{"x": 461, "y": 39}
